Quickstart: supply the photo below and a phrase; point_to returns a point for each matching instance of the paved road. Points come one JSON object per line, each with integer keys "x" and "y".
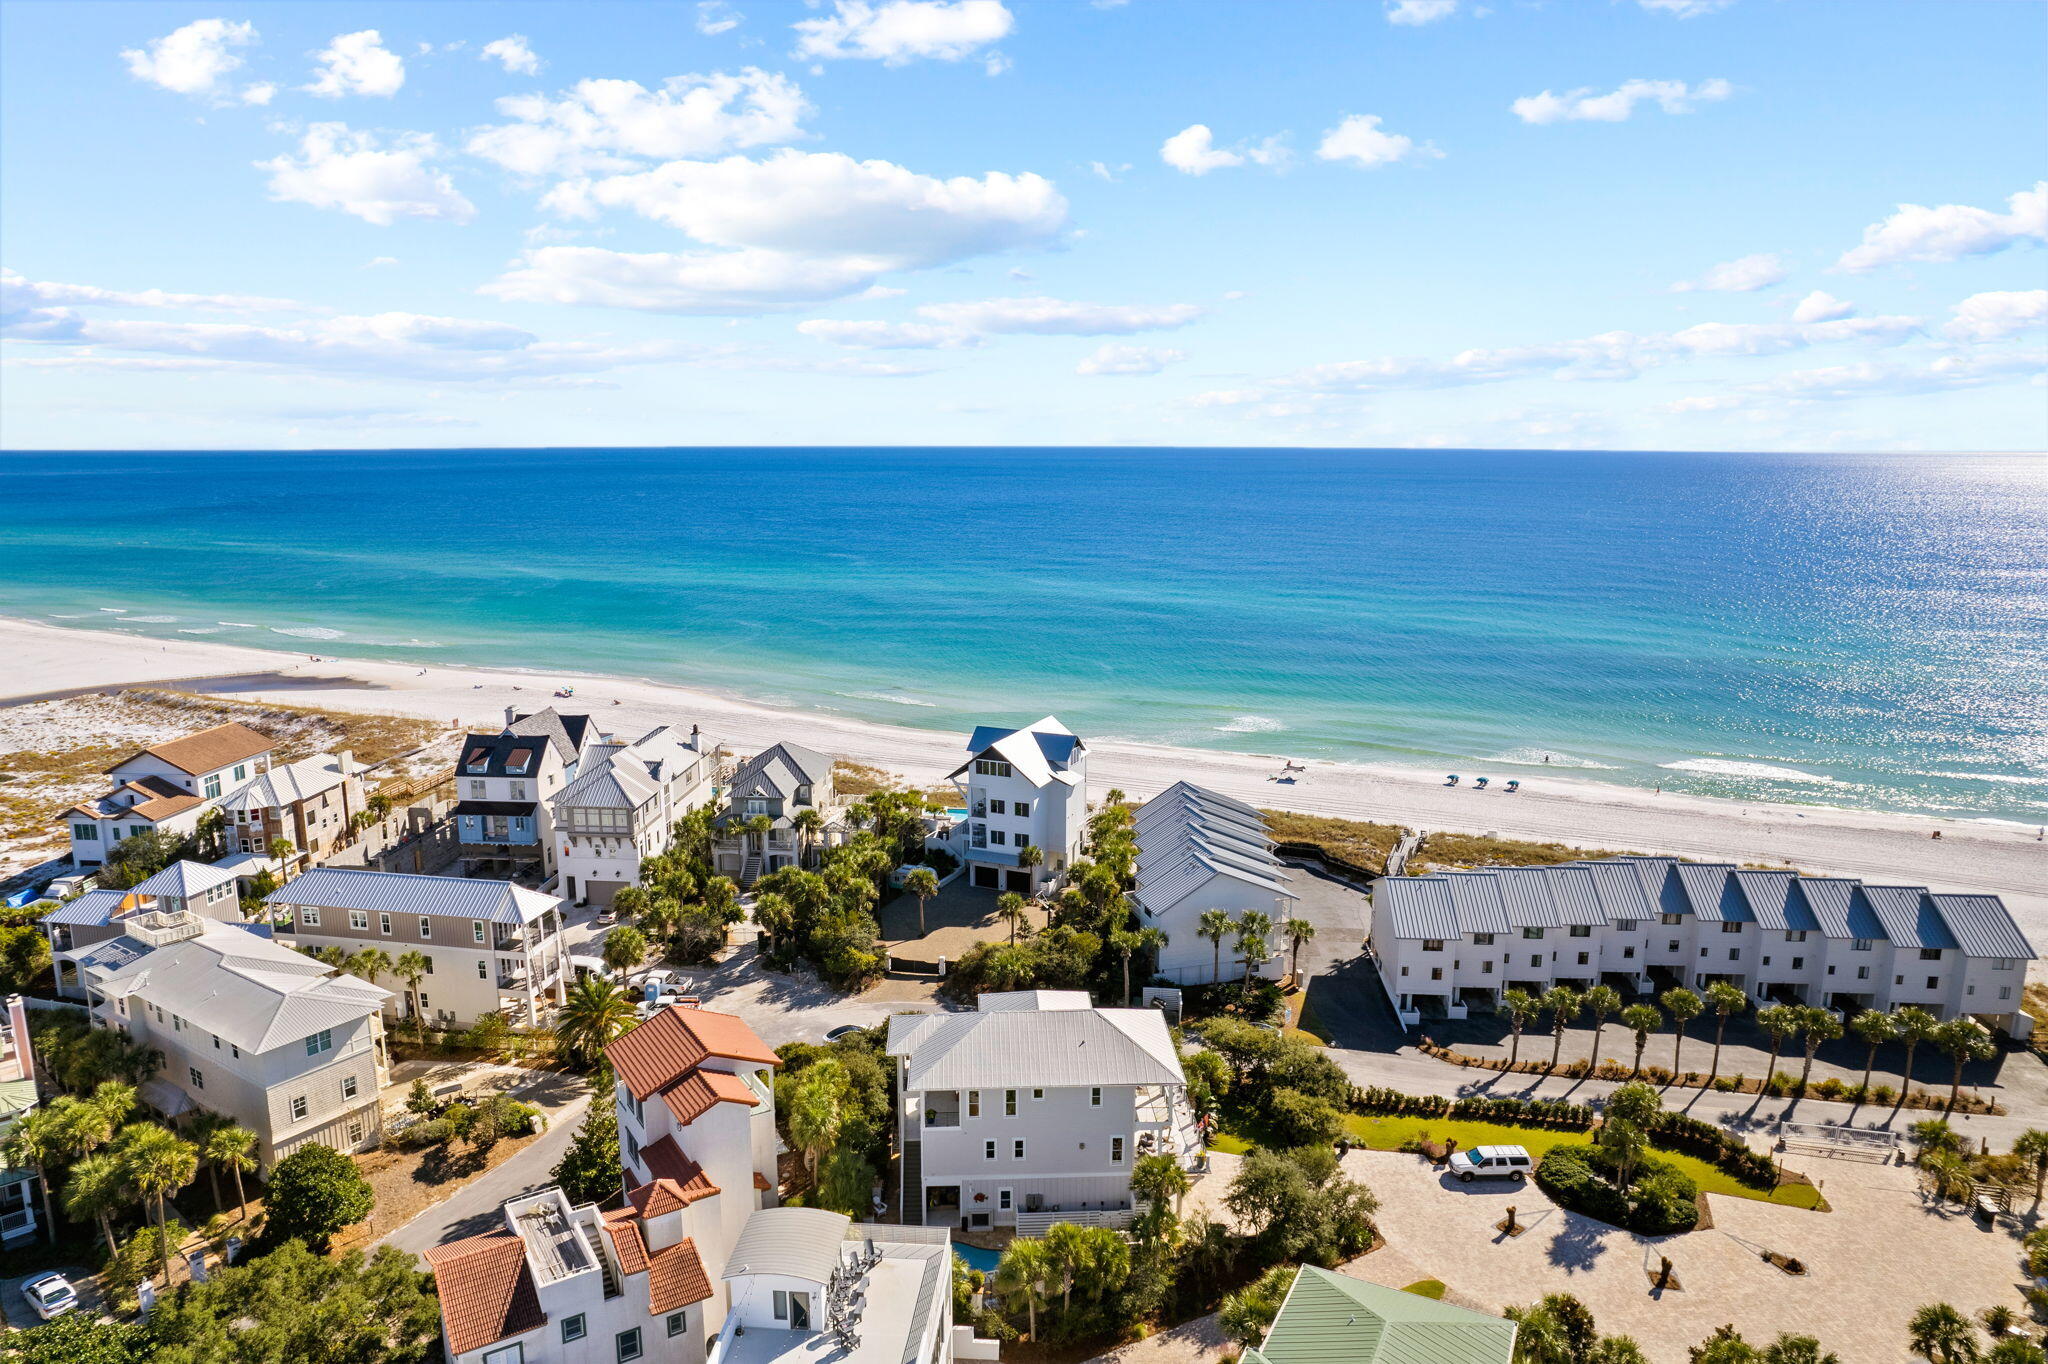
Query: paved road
{"x": 473, "y": 1209}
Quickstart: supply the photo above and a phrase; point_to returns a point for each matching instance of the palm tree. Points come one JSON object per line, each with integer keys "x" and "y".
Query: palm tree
{"x": 332, "y": 955}
{"x": 368, "y": 964}
{"x": 200, "y": 1131}
{"x": 158, "y": 1163}
{"x": 1254, "y": 930}
{"x": 1683, "y": 1006}
{"x": 1781, "y": 1023}
{"x": 2032, "y": 1145}
{"x": 1521, "y": 1007}
{"x": 808, "y": 824}
{"x": 1725, "y": 999}
{"x": 1642, "y": 1020}
{"x": 411, "y": 968}
{"x": 98, "y": 1188}
{"x": 1563, "y": 1005}
{"x": 814, "y": 1110}
{"x": 1601, "y": 1001}
{"x": 35, "y": 1143}
{"x": 594, "y": 1013}
{"x": 922, "y": 882}
{"x": 1214, "y": 925}
{"x": 1158, "y": 1178}
{"x": 1031, "y": 857}
{"x": 235, "y": 1148}
{"x": 1821, "y": 1025}
{"x": 1067, "y": 1250}
{"x": 1873, "y": 1028}
{"x": 1116, "y": 796}
{"x": 1965, "y": 1040}
{"x": 1942, "y": 1334}
{"x": 285, "y": 851}
{"x": 1021, "y": 1276}
{"x": 1914, "y": 1025}
{"x": 1010, "y": 905}
{"x": 1125, "y": 942}
{"x": 1298, "y": 931}
{"x": 625, "y": 947}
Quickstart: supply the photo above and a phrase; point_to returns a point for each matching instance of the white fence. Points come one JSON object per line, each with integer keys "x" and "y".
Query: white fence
{"x": 1039, "y": 1223}
{"x": 1834, "y": 1139}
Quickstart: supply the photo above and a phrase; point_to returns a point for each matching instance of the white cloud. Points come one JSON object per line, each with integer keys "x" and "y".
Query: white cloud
{"x": 258, "y": 92}
{"x": 1717, "y": 402}
{"x": 604, "y": 125}
{"x": 900, "y": 31}
{"x": 1193, "y": 150}
{"x": 379, "y": 262}
{"x": 191, "y": 60}
{"x": 1866, "y": 378}
{"x": 1986, "y": 317}
{"x": 359, "y": 174}
{"x": 1104, "y": 171}
{"x": 1358, "y": 139}
{"x": 1415, "y": 13}
{"x": 1820, "y": 306}
{"x": 888, "y": 335}
{"x": 1950, "y": 232}
{"x": 716, "y": 16}
{"x": 706, "y": 282}
{"x": 1059, "y": 317}
{"x": 45, "y": 306}
{"x": 1743, "y": 276}
{"x": 1582, "y": 105}
{"x": 512, "y": 53}
{"x": 1685, "y": 9}
{"x": 1129, "y": 360}
{"x": 357, "y": 64}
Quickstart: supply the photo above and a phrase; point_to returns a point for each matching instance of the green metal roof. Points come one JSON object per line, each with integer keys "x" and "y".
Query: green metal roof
{"x": 1332, "y": 1319}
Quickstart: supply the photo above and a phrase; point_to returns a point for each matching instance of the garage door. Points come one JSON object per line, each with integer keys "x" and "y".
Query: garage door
{"x": 986, "y": 876}
{"x": 1020, "y": 881}
{"x": 600, "y": 893}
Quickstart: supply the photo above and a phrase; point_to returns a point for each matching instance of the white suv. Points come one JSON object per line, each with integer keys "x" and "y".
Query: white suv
{"x": 1491, "y": 1162}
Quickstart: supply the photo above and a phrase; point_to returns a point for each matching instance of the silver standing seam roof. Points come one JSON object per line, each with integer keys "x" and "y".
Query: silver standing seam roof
{"x": 1015, "y": 1048}
{"x": 799, "y": 1243}
{"x": 454, "y": 897}
{"x": 1188, "y": 835}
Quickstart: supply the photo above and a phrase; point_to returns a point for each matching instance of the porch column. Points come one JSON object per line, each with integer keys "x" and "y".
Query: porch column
{"x": 561, "y": 960}
{"x": 532, "y": 1004}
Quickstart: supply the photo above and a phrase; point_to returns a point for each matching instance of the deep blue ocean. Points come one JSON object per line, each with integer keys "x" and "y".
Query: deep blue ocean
{"x": 1848, "y": 630}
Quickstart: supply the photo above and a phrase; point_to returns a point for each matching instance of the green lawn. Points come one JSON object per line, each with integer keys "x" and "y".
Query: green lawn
{"x": 1391, "y": 1133}
{"x": 1426, "y": 1288}
{"x": 1229, "y": 1143}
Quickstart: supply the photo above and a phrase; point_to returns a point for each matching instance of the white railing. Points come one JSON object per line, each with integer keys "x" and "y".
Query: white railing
{"x": 1039, "y": 1223}
{"x": 20, "y": 1222}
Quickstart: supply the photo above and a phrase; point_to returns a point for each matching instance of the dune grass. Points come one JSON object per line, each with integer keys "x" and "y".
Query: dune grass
{"x": 1481, "y": 850}
{"x": 1351, "y": 840}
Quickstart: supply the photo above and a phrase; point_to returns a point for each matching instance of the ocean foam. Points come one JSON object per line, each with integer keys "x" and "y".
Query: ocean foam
{"x": 116, "y": 609}
{"x": 1987, "y": 776}
{"x": 240, "y": 624}
{"x": 1250, "y": 724}
{"x": 894, "y": 698}
{"x": 55, "y": 616}
{"x": 1535, "y": 757}
{"x": 147, "y": 620}
{"x": 401, "y": 644}
{"x": 201, "y": 630}
{"x": 307, "y": 631}
{"x": 1723, "y": 767}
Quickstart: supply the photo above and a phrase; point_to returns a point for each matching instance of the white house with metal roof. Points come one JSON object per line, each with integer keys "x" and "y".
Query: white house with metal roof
{"x": 1033, "y": 1108}
{"x": 1446, "y": 942}
{"x": 286, "y": 1046}
{"x": 79, "y": 928}
{"x": 622, "y": 804}
{"x": 1200, "y": 850}
{"x": 778, "y": 784}
{"x": 1025, "y": 788}
{"x": 308, "y": 803}
{"x": 491, "y": 946}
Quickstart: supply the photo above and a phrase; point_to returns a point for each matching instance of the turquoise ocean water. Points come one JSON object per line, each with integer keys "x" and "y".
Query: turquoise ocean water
{"x": 1863, "y": 631}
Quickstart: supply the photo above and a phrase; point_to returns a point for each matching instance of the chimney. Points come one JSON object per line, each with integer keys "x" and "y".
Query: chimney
{"x": 510, "y": 715}
{"x": 262, "y": 762}
{"x": 696, "y": 733}
{"x": 346, "y": 759}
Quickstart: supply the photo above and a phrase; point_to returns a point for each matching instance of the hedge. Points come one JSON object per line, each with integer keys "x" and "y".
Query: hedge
{"x": 1677, "y": 1132}
{"x": 1661, "y": 1201}
{"x": 1532, "y": 1112}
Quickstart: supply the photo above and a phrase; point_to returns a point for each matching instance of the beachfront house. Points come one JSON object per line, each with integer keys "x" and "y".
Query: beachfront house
{"x": 164, "y": 788}
{"x": 1200, "y": 850}
{"x": 622, "y": 804}
{"x": 503, "y": 785}
{"x": 21, "y": 1188}
{"x": 1330, "y": 1318}
{"x": 490, "y": 946}
{"x": 79, "y": 926}
{"x": 1453, "y": 941}
{"x": 778, "y": 784}
{"x": 308, "y": 804}
{"x": 1024, "y": 788}
{"x": 246, "y": 1027}
{"x": 1033, "y": 1108}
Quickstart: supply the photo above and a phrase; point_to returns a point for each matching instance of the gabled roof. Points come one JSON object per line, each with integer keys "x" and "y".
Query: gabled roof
{"x": 1330, "y": 1318}
{"x": 186, "y": 880}
{"x": 778, "y": 770}
{"x": 1013, "y": 1046}
{"x": 800, "y": 1243}
{"x": 697, "y": 1093}
{"x": 207, "y": 751}
{"x": 675, "y": 1180}
{"x": 486, "y": 1290}
{"x": 1419, "y": 907}
{"x": 1981, "y": 926}
{"x": 568, "y": 733}
{"x": 1188, "y": 836}
{"x": 501, "y": 755}
{"x": 94, "y": 909}
{"x": 453, "y": 897}
{"x": 149, "y": 798}
{"x": 1909, "y": 916}
{"x": 1773, "y": 902}
{"x": 1712, "y": 894}
{"x": 667, "y": 1049}
{"x": 675, "y": 1274}
{"x": 627, "y": 776}
{"x": 1040, "y": 753}
{"x": 290, "y": 783}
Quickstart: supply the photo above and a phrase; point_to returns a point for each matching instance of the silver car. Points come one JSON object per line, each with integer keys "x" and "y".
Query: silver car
{"x": 1491, "y": 1162}
{"x": 51, "y": 1295}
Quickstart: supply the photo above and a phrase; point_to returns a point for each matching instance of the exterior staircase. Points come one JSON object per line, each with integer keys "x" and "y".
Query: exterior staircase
{"x": 750, "y": 870}
{"x": 604, "y": 1264}
{"x": 910, "y": 1193}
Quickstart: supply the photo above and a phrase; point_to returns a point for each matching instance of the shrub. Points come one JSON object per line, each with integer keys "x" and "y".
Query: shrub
{"x": 1661, "y": 1200}
{"x": 432, "y": 1132}
{"x": 314, "y": 1192}
{"x": 1298, "y": 1119}
{"x": 1883, "y": 1094}
{"x": 1830, "y": 1088}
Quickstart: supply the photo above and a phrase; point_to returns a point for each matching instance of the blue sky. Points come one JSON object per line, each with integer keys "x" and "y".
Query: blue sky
{"x": 1652, "y": 224}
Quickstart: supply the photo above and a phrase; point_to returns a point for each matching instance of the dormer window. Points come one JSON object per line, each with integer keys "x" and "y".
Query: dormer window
{"x": 520, "y": 761}
{"x": 477, "y": 760}
{"x": 991, "y": 767}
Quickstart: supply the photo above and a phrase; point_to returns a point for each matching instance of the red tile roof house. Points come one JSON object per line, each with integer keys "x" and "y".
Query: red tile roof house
{"x": 166, "y": 786}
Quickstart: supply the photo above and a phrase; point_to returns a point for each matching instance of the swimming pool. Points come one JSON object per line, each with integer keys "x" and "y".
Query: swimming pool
{"x": 976, "y": 1257}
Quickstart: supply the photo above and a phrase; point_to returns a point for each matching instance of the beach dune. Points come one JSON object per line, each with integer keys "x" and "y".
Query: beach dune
{"x": 2006, "y": 860}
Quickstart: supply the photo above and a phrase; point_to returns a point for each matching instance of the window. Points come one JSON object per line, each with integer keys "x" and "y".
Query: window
{"x": 1037, "y": 1094}
{"x": 1735, "y": 954}
{"x": 2005, "y": 992}
{"x": 426, "y": 927}
{"x": 515, "y": 1353}
{"x": 355, "y": 1133}
{"x": 1861, "y": 945}
{"x": 1797, "y": 935}
{"x": 1021, "y": 808}
{"x": 348, "y": 1086}
{"x": 988, "y": 1150}
{"x": 177, "y": 1023}
{"x": 320, "y": 1041}
{"x": 629, "y": 1345}
{"x": 781, "y": 1305}
{"x": 384, "y": 924}
{"x": 423, "y": 998}
{"x": 990, "y": 767}
{"x": 1930, "y": 954}
{"x": 973, "y": 1103}
{"x": 573, "y": 1328}
{"x": 677, "y": 1321}
{"x": 1582, "y": 930}
{"x": 519, "y": 790}
{"x": 1668, "y": 919}
{"x": 1003, "y": 1200}
{"x": 86, "y": 833}
{"x": 213, "y": 786}
{"x": 1404, "y": 970}
{"x": 1095, "y": 1097}
{"x": 1432, "y": 944}
{"x": 1116, "y": 1150}
{"x": 476, "y": 929}
{"x": 1021, "y": 840}
{"x": 216, "y": 1041}
{"x": 1798, "y": 963}
{"x": 1436, "y": 973}
{"x": 1934, "y": 982}
{"x": 299, "y": 1108}
{"x": 198, "y": 1080}
{"x": 1730, "y": 926}
{"x": 1766, "y": 961}
{"x": 1017, "y": 1148}
{"x": 995, "y": 807}
{"x": 1627, "y": 952}
{"x": 483, "y": 968}
{"x": 997, "y": 837}
{"x": 1482, "y": 939}
{"x": 359, "y": 919}
{"x": 310, "y": 917}
{"x": 1671, "y": 946}
{"x": 1624, "y": 925}
{"x": 1009, "y": 1103}
{"x": 1485, "y": 968}
{"x": 476, "y": 790}
{"x": 1535, "y": 958}
{"x": 1584, "y": 957}
{"x": 1534, "y": 933}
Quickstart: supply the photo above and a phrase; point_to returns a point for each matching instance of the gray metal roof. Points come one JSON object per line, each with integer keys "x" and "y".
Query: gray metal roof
{"x": 1774, "y": 903}
{"x": 1622, "y": 889}
{"x": 454, "y": 897}
{"x": 778, "y": 770}
{"x": 1476, "y": 901}
{"x": 1188, "y": 836}
{"x": 799, "y": 1243}
{"x": 1525, "y": 893}
{"x": 91, "y": 910}
{"x": 1057, "y": 1047}
{"x": 1711, "y": 895}
{"x": 1837, "y": 908}
{"x": 1981, "y": 926}
{"x": 1417, "y": 906}
{"x": 1577, "y": 898}
{"x": 245, "y": 988}
{"x": 1909, "y": 917}
{"x": 185, "y": 880}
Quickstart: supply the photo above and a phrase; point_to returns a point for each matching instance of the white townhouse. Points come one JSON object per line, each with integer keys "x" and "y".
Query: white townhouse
{"x": 1200, "y": 850}
{"x": 622, "y": 804}
{"x": 288, "y": 1047}
{"x": 92, "y": 920}
{"x": 165, "y": 787}
{"x": 309, "y": 804}
{"x": 1443, "y": 943}
{"x": 778, "y": 783}
{"x": 491, "y": 946}
{"x": 1033, "y": 1109}
{"x": 1025, "y": 788}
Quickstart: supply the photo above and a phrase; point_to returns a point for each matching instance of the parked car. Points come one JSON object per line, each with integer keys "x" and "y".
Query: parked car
{"x": 66, "y": 886}
{"x": 607, "y": 916}
{"x": 843, "y": 1030}
{"x": 51, "y": 1295}
{"x": 1491, "y": 1162}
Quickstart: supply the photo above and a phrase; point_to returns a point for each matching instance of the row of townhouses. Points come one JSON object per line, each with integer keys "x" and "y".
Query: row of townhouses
{"x": 1444, "y": 943}
{"x": 1200, "y": 850}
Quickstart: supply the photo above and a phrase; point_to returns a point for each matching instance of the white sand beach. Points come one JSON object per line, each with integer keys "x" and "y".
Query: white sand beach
{"x": 36, "y": 659}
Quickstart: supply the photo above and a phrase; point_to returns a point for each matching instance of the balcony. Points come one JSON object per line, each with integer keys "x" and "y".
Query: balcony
{"x": 942, "y": 1109}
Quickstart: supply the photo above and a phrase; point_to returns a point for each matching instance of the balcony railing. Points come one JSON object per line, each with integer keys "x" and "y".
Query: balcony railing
{"x": 936, "y": 1118}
